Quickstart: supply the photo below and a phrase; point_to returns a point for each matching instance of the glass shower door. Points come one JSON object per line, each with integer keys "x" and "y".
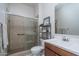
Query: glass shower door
{"x": 22, "y": 33}
{"x": 30, "y": 31}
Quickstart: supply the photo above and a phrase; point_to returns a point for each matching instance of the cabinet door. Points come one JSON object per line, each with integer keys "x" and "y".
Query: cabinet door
{"x": 57, "y": 50}
{"x": 49, "y": 52}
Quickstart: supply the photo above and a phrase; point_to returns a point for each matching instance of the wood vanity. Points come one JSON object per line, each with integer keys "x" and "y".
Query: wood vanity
{"x": 52, "y": 50}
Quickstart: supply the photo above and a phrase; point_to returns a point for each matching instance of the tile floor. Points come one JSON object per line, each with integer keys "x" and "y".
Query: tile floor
{"x": 23, "y": 53}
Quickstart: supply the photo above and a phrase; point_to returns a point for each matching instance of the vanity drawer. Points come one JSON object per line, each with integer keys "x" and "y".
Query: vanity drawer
{"x": 58, "y": 50}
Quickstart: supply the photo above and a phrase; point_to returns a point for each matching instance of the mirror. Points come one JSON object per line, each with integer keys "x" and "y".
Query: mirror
{"x": 67, "y": 18}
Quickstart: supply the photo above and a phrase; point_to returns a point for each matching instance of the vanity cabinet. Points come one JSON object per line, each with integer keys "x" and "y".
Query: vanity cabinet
{"x": 52, "y": 50}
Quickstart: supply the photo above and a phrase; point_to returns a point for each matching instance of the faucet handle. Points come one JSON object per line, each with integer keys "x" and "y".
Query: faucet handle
{"x": 65, "y": 38}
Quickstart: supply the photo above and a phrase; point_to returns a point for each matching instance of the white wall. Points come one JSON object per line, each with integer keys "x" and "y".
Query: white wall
{"x": 21, "y": 9}
{"x": 47, "y": 9}
{"x": 36, "y": 10}
{"x": 3, "y": 18}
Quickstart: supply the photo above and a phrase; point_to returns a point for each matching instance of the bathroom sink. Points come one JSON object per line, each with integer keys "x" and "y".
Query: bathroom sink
{"x": 72, "y": 45}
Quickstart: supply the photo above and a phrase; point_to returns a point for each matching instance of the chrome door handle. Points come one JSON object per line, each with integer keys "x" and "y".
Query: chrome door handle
{"x": 20, "y": 34}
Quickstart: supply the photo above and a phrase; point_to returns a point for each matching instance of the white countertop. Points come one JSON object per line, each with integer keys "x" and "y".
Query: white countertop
{"x": 72, "y": 45}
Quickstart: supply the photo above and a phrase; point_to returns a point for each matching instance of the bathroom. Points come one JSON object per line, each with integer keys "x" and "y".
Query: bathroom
{"x": 20, "y": 29}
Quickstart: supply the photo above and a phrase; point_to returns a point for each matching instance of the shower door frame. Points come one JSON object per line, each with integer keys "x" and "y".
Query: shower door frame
{"x": 2, "y": 35}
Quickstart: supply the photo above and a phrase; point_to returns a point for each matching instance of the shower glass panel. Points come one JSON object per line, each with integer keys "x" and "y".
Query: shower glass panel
{"x": 30, "y": 31}
{"x": 22, "y": 33}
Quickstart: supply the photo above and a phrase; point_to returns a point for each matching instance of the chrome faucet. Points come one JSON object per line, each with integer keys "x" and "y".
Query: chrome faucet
{"x": 65, "y": 38}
